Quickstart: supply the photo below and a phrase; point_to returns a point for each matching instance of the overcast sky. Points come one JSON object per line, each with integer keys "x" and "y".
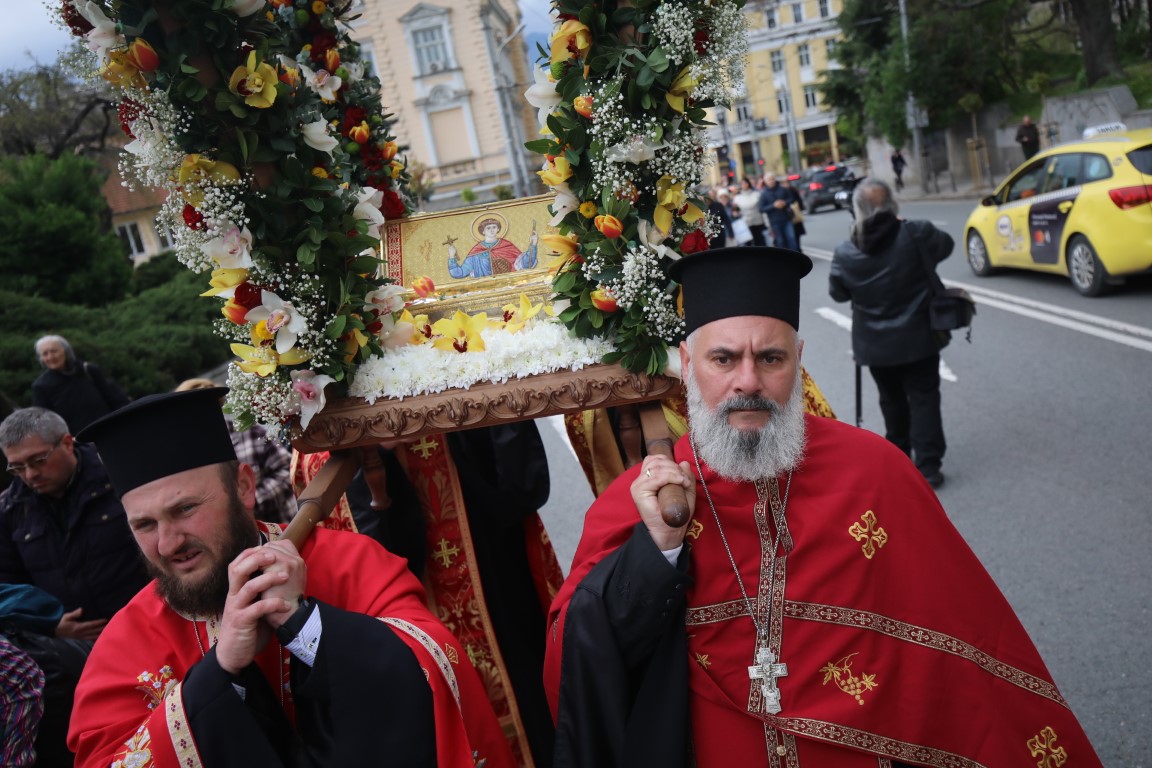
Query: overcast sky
{"x": 28, "y": 34}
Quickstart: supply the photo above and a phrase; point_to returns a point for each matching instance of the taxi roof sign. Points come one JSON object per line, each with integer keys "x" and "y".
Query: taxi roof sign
{"x": 1096, "y": 130}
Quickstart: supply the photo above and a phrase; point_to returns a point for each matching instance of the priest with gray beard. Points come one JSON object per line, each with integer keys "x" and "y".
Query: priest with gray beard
{"x": 817, "y": 609}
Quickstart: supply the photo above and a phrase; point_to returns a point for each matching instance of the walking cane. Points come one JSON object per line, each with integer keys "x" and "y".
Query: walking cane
{"x": 859, "y": 399}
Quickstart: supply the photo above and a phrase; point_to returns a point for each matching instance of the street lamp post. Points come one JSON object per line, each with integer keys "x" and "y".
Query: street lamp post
{"x": 910, "y": 106}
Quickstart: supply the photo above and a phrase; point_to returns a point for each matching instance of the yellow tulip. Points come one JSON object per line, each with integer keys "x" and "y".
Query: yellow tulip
{"x": 558, "y": 171}
{"x": 461, "y": 332}
{"x": 680, "y": 89}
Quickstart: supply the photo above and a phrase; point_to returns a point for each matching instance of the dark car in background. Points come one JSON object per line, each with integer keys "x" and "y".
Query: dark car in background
{"x": 818, "y": 186}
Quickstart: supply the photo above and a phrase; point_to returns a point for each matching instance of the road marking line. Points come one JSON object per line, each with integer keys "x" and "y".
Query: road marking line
{"x": 1104, "y": 322}
{"x": 1073, "y": 325}
{"x": 1072, "y": 319}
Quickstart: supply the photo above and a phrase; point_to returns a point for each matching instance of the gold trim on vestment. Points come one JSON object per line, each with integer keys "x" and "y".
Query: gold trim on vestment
{"x": 845, "y": 736}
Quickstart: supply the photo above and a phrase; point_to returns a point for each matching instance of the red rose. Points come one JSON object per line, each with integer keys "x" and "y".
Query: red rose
{"x": 693, "y": 241}
{"x": 247, "y": 295}
{"x": 700, "y": 40}
{"x": 193, "y": 219}
{"x": 393, "y": 206}
{"x": 79, "y": 25}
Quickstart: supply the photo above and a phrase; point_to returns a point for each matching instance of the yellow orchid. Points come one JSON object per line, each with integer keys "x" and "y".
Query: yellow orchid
{"x": 262, "y": 361}
{"x": 255, "y": 81}
{"x": 353, "y": 340}
{"x": 460, "y": 332}
{"x": 515, "y": 317}
{"x": 557, "y": 172}
{"x": 421, "y": 330}
{"x": 560, "y": 245}
{"x": 197, "y": 171}
{"x": 671, "y": 199}
{"x": 120, "y": 72}
{"x": 680, "y": 89}
{"x": 225, "y": 280}
{"x": 572, "y": 40}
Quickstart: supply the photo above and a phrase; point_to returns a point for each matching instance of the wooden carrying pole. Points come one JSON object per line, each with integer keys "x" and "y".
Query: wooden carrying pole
{"x": 323, "y": 494}
{"x": 658, "y": 441}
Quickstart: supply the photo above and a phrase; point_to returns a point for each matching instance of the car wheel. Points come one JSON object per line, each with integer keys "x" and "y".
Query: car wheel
{"x": 1087, "y": 274}
{"x": 978, "y": 258}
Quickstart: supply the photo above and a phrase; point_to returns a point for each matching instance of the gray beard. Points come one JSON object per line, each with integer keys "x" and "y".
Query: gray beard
{"x": 747, "y": 454}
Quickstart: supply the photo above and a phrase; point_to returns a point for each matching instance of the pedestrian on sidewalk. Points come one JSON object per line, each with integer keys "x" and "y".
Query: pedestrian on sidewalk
{"x": 1028, "y": 137}
{"x": 898, "y": 165}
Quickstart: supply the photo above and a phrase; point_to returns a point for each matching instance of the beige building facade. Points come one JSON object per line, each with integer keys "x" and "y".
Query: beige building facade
{"x": 790, "y": 42}
{"x": 453, "y": 74}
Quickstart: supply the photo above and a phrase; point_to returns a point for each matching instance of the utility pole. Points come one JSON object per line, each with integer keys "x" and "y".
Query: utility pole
{"x": 910, "y": 107}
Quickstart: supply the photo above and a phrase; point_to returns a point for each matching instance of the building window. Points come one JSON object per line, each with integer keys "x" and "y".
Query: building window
{"x": 164, "y": 236}
{"x": 782, "y": 104}
{"x": 805, "y": 54}
{"x": 811, "y": 97}
{"x": 830, "y": 48}
{"x": 770, "y": 18}
{"x": 130, "y": 238}
{"x": 825, "y": 9}
{"x": 797, "y": 12}
{"x": 743, "y": 111}
{"x": 431, "y": 50}
{"x": 777, "y": 61}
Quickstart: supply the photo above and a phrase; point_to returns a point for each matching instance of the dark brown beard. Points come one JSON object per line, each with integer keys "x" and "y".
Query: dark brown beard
{"x": 207, "y": 596}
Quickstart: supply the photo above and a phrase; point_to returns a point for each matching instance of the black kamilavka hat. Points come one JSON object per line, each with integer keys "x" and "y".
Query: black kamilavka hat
{"x": 733, "y": 282}
{"x": 161, "y": 435}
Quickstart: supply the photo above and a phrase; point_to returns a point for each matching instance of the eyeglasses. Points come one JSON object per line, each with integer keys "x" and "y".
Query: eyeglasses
{"x": 35, "y": 462}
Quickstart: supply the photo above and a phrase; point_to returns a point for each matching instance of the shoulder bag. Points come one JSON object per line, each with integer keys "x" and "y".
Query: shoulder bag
{"x": 949, "y": 308}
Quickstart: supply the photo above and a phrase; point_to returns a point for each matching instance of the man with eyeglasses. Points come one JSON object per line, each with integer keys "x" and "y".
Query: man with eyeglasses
{"x": 62, "y": 529}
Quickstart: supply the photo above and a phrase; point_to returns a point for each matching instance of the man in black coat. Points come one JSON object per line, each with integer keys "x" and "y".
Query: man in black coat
{"x": 63, "y": 529}
{"x": 885, "y": 271}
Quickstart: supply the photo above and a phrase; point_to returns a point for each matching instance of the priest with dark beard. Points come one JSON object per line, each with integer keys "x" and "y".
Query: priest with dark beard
{"x": 818, "y": 608}
{"x": 244, "y": 651}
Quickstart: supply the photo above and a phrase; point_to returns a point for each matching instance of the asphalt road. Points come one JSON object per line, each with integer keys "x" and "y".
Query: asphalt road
{"x": 1048, "y": 415}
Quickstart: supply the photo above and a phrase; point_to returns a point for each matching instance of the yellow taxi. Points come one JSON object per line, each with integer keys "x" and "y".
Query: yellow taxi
{"x": 1081, "y": 209}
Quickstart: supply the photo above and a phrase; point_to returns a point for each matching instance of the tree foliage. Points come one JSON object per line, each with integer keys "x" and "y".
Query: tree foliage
{"x": 57, "y": 240}
{"x": 958, "y": 51}
{"x": 44, "y": 110}
{"x": 148, "y": 342}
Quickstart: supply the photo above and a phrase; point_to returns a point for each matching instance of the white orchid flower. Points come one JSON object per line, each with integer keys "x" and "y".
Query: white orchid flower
{"x": 232, "y": 249}
{"x": 245, "y": 8}
{"x": 387, "y": 299}
{"x": 369, "y": 200}
{"x": 354, "y": 70}
{"x": 322, "y": 82}
{"x": 104, "y": 35}
{"x": 653, "y": 237}
{"x": 636, "y": 150}
{"x": 281, "y": 319}
{"x": 542, "y": 95}
{"x": 316, "y": 135}
{"x": 564, "y": 203}
{"x": 309, "y": 388}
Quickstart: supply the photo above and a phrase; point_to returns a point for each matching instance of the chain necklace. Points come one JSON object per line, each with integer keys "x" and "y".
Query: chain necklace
{"x": 766, "y": 669}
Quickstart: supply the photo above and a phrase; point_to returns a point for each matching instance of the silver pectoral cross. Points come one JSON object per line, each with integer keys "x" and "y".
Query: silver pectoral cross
{"x": 766, "y": 670}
